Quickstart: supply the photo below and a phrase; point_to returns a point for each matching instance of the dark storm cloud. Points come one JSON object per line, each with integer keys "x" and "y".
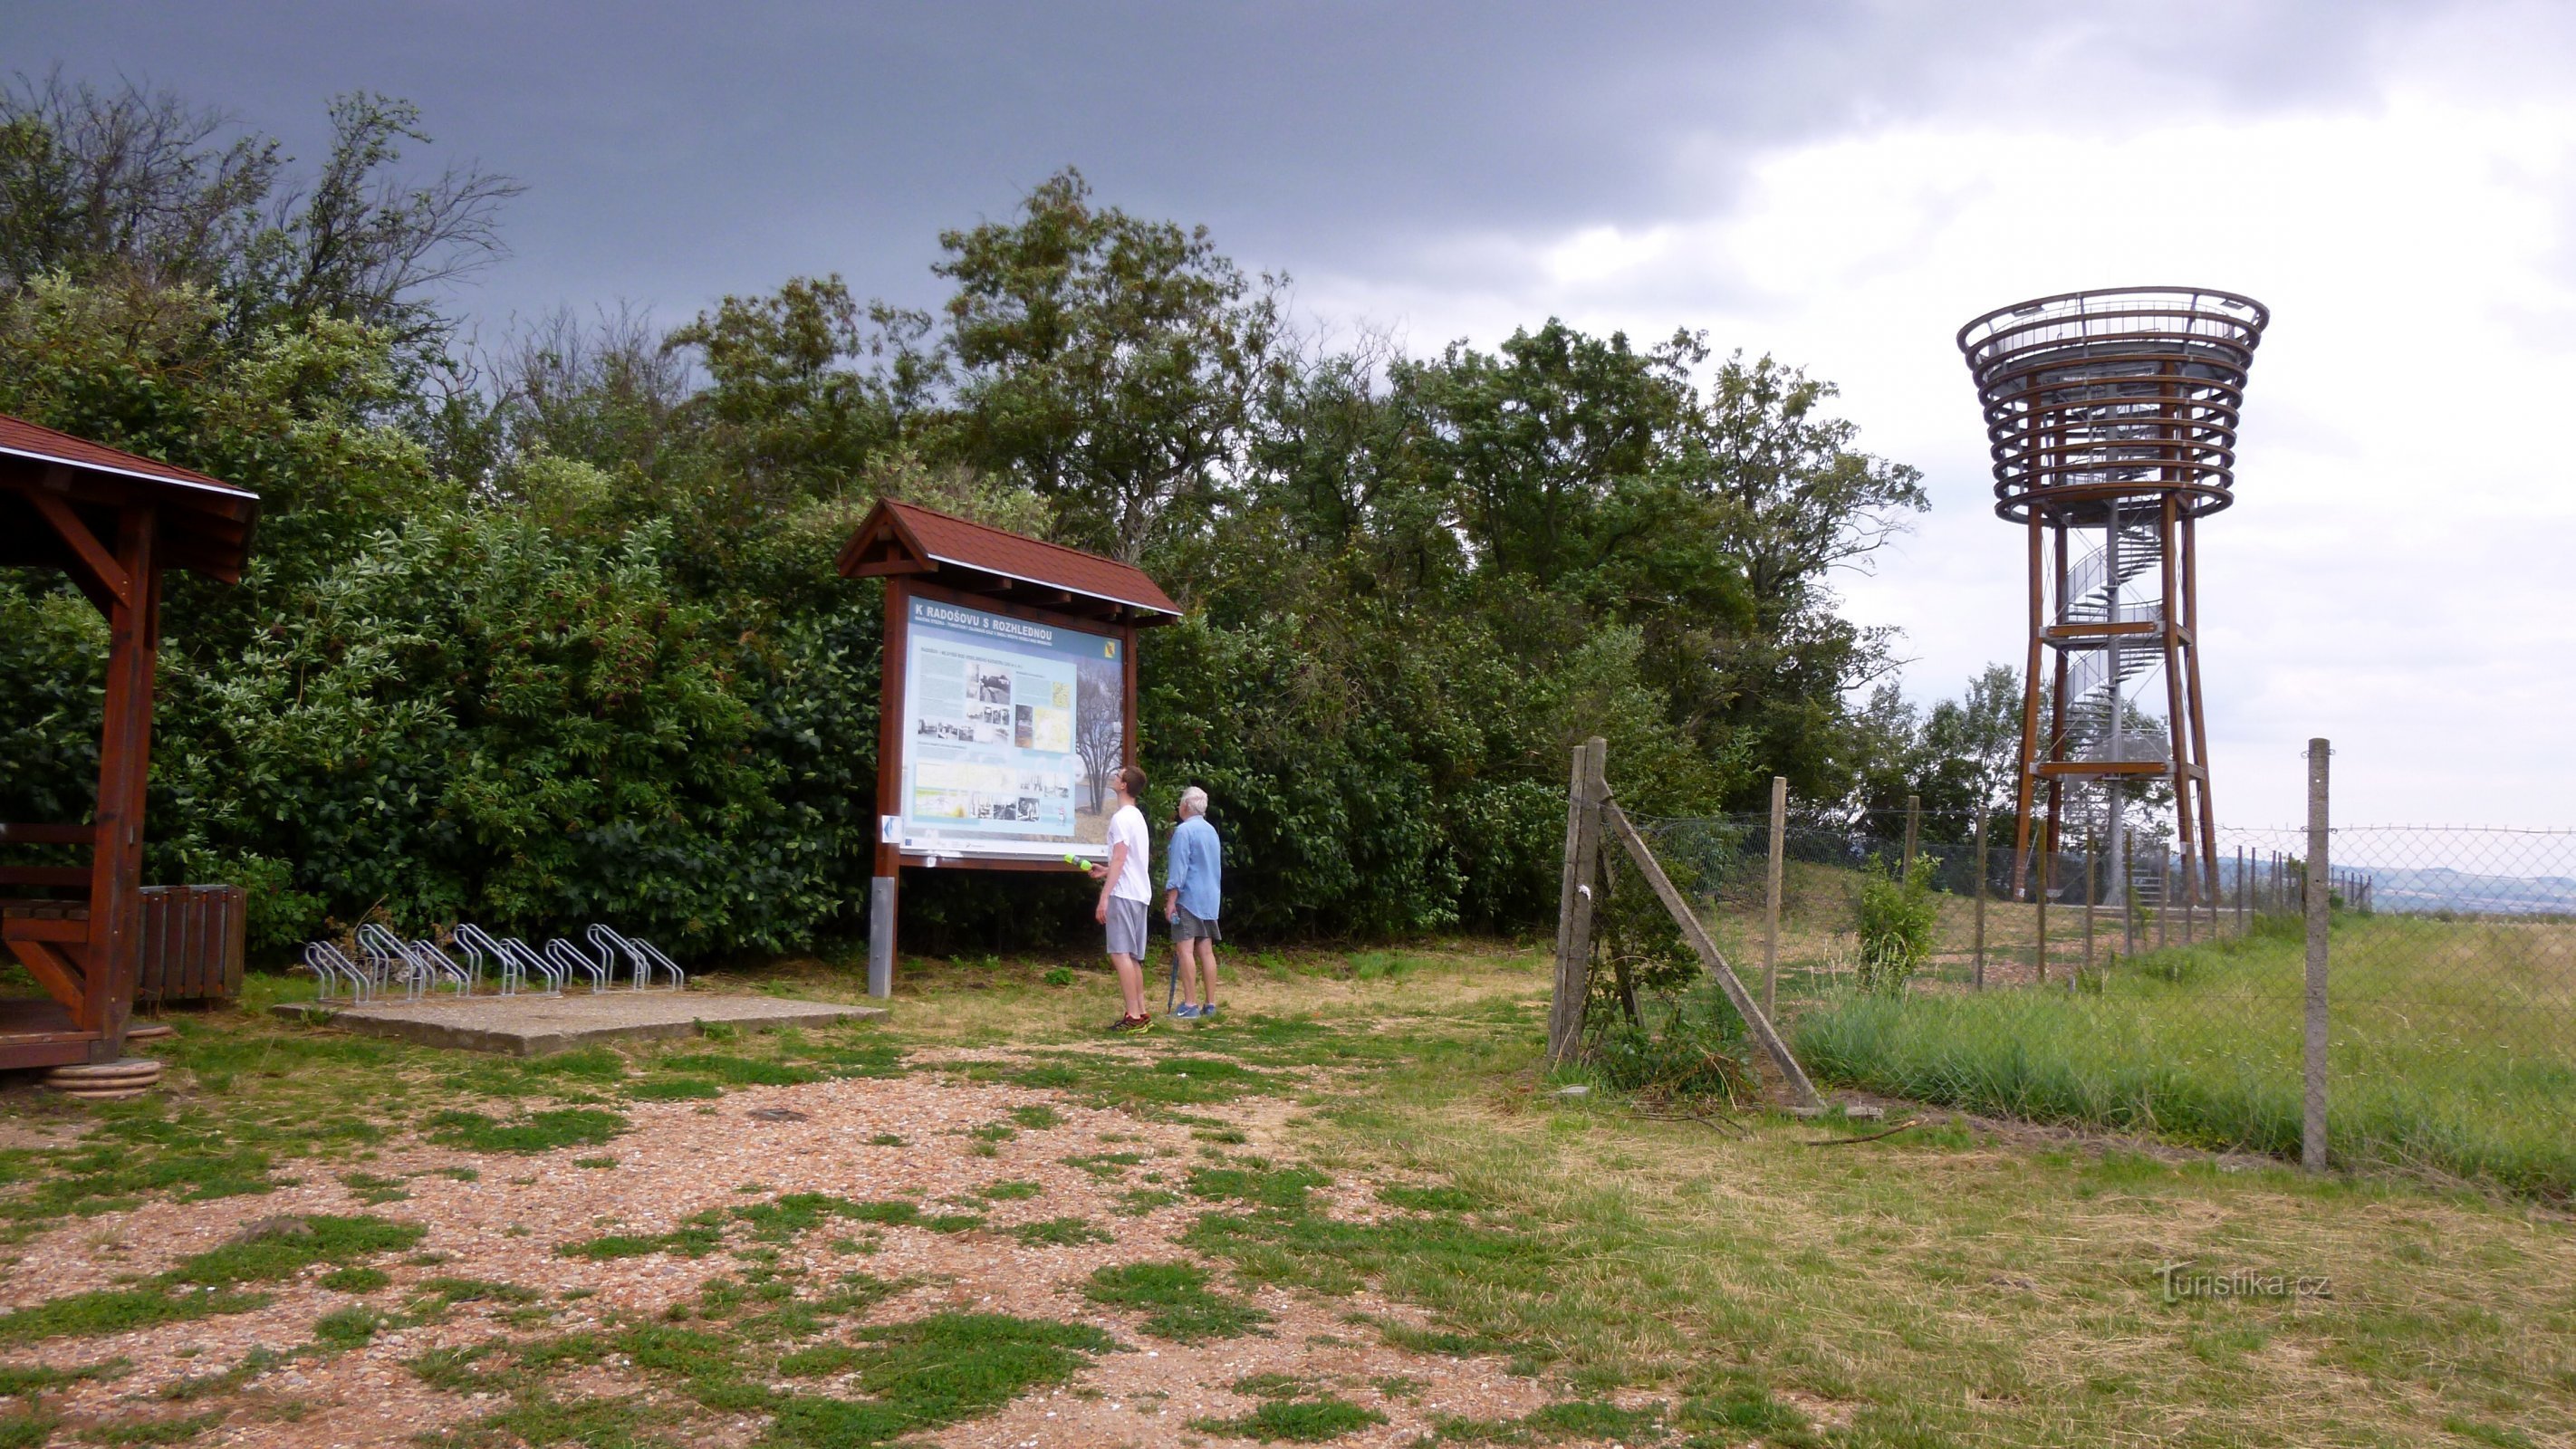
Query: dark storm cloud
{"x": 676, "y": 152}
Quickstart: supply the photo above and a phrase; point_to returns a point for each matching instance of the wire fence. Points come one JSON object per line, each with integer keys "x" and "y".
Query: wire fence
{"x": 2167, "y": 994}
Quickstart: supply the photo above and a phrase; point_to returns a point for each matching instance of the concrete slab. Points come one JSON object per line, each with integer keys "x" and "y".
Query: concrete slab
{"x": 529, "y": 1026}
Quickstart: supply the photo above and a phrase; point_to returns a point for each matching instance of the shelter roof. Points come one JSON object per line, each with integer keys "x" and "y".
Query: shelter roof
{"x": 200, "y": 523}
{"x": 906, "y": 538}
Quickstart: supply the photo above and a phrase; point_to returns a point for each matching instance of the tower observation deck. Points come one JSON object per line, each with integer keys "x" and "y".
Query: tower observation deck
{"x": 2111, "y": 418}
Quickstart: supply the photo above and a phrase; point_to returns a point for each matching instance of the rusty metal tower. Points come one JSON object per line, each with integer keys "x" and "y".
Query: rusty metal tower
{"x": 2112, "y": 420}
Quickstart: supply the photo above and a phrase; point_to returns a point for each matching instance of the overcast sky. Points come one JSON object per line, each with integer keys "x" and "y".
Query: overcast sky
{"x": 1838, "y": 185}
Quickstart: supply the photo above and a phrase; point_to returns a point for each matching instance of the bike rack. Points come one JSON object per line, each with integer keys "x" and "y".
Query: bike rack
{"x": 330, "y": 968}
{"x": 644, "y": 955}
{"x": 385, "y": 962}
{"x": 572, "y": 958}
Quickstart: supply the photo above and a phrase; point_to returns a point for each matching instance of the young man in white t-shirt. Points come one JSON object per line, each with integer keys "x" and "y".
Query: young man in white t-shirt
{"x": 1126, "y": 895}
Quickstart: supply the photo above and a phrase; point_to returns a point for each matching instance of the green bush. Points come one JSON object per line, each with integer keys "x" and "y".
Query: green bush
{"x": 1894, "y": 915}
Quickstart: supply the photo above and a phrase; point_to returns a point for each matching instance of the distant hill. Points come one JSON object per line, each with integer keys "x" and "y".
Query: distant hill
{"x": 2444, "y": 889}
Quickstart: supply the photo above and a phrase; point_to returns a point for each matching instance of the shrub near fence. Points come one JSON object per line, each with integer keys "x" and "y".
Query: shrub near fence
{"x": 2451, "y": 1016}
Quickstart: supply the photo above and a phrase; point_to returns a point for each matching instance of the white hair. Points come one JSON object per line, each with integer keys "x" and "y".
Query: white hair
{"x": 1194, "y": 801}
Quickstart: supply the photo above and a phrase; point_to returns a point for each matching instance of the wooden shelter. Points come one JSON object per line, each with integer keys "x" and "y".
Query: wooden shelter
{"x": 924, "y": 554}
{"x": 114, "y": 522}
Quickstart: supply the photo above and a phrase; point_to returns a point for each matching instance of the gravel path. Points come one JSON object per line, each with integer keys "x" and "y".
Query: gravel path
{"x": 505, "y": 1224}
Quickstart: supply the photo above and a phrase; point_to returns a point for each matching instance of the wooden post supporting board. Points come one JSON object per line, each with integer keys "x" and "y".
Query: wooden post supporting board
{"x": 1755, "y": 1018}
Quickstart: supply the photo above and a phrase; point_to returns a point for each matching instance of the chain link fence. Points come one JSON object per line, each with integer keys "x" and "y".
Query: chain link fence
{"x": 2149, "y": 995}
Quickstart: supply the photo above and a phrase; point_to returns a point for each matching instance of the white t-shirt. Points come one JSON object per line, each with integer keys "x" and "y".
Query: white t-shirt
{"x": 1134, "y": 882}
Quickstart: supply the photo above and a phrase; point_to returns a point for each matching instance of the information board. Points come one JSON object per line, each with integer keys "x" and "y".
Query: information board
{"x": 1012, "y": 733}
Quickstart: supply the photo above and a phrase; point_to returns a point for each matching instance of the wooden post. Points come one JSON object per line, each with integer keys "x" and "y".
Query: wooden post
{"x": 884, "y": 884}
{"x": 2312, "y": 1125}
{"x": 1575, "y": 901}
{"x": 1771, "y": 894}
{"x": 124, "y": 767}
{"x": 2030, "y": 746}
{"x": 1913, "y": 828}
{"x": 1977, "y": 977}
{"x": 1756, "y": 1020}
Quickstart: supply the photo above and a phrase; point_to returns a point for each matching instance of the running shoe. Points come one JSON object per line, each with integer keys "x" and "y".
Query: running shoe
{"x": 1133, "y": 1023}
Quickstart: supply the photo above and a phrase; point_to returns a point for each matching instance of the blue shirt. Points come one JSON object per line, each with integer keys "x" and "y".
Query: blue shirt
{"x": 1194, "y": 866}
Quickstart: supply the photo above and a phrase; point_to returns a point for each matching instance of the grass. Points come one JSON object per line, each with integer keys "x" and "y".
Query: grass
{"x": 155, "y": 1431}
{"x": 1295, "y": 1421}
{"x": 1589, "y": 1420}
{"x": 1058, "y": 1233}
{"x": 527, "y": 1132}
{"x": 1175, "y": 1298}
{"x": 356, "y": 1280}
{"x": 2201, "y": 1044}
{"x": 1384, "y": 1147}
{"x": 203, "y": 1285}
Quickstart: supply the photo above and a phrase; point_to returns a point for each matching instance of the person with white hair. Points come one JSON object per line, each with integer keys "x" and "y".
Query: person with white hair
{"x": 1192, "y": 882}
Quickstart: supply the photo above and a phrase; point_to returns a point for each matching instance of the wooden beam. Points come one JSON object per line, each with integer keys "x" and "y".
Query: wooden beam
{"x": 1710, "y": 957}
{"x": 2031, "y": 748}
{"x": 53, "y": 971}
{"x": 2053, "y": 768}
{"x": 71, "y": 930}
{"x": 102, "y": 565}
{"x": 48, "y": 834}
{"x": 44, "y": 875}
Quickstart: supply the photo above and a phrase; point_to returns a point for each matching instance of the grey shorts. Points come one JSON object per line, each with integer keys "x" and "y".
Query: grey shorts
{"x": 1126, "y": 927}
{"x": 1186, "y": 927}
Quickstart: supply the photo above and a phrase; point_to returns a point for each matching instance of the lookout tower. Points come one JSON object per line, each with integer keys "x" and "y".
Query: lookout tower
{"x": 2111, "y": 416}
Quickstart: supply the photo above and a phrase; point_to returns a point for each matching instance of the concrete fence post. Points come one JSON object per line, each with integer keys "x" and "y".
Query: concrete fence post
{"x": 1978, "y": 978}
{"x": 2319, "y": 880}
{"x": 1913, "y": 829}
{"x": 1771, "y": 897}
{"x": 2088, "y": 912}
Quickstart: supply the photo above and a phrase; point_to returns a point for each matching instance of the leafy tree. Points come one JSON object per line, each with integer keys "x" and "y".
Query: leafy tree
{"x": 1109, "y": 363}
{"x": 128, "y": 187}
{"x": 553, "y": 635}
{"x": 1798, "y": 502}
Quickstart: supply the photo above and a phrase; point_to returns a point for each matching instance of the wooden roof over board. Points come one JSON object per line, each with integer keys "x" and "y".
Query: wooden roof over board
{"x": 908, "y": 539}
{"x": 48, "y": 478}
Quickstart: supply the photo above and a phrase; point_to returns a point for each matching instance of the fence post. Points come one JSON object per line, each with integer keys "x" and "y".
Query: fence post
{"x": 1771, "y": 897}
{"x": 1574, "y": 903}
{"x": 1913, "y": 827}
{"x": 2312, "y": 1127}
{"x": 1979, "y": 977}
{"x": 2039, "y": 947}
{"x": 2190, "y": 898}
{"x": 2088, "y": 912}
{"x": 2164, "y": 894}
{"x": 2240, "y": 890}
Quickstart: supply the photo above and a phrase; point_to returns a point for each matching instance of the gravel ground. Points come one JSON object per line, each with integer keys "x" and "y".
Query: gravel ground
{"x": 506, "y": 1223}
